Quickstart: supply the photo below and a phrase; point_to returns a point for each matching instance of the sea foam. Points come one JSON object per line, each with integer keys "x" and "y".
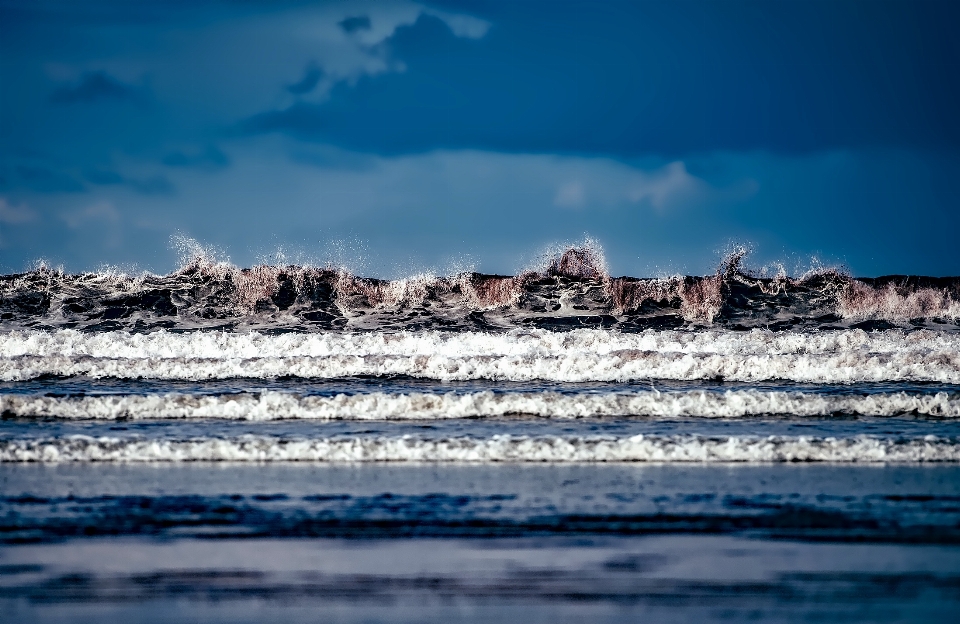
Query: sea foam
{"x": 497, "y": 448}
{"x": 845, "y": 356}
{"x": 273, "y": 405}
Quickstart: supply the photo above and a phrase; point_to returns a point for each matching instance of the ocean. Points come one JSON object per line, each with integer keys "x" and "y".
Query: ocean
{"x": 300, "y": 444}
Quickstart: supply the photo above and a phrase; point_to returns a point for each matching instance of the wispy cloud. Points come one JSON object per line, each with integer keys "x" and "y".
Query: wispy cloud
{"x": 93, "y": 87}
{"x": 102, "y": 211}
{"x": 15, "y": 215}
{"x": 154, "y": 185}
{"x": 45, "y": 179}
{"x": 306, "y": 84}
{"x": 462, "y": 25}
{"x": 353, "y": 24}
{"x": 150, "y": 185}
{"x": 103, "y": 176}
{"x": 660, "y": 188}
{"x": 100, "y": 220}
{"x": 602, "y": 182}
{"x": 210, "y": 157}
{"x": 570, "y": 195}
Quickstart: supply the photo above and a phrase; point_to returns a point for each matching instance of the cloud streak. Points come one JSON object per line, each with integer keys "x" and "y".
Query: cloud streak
{"x": 95, "y": 87}
{"x": 44, "y": 179}
{"x": 11, "y": 215}
{"x": 351, "y": 25}
{"x": 15, "y": 215}
{"x": 311, "y": 77}
{"x": 102, "y": 211}
{"x": 210, "y": 157}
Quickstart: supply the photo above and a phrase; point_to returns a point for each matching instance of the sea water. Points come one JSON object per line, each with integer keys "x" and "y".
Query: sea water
{"x": 299, "y": 444}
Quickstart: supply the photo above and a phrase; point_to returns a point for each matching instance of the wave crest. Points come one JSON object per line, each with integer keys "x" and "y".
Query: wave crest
{"x": 273, "y": 405}
{"x": 571, "y": 289}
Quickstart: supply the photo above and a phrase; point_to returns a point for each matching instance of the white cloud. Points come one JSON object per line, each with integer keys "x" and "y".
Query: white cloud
{"x": 465, "y": 26}
{"x": 342, "y": 55}
{"x": 326, "y": 193}
{"x": 464, "y": 180}
{"x": 613, "y": 183}
{"x": 661, "y": 188}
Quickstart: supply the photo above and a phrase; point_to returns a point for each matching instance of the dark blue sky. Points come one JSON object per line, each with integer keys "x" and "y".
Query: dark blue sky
{"x": 400, "y": 137}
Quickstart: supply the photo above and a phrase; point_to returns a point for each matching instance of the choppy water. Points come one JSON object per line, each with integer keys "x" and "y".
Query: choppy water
{"x": 507, "y": 447}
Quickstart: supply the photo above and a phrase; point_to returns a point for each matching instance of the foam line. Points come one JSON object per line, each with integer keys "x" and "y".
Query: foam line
{"x": 522, "y": 343}
{"x": 501, "y": 448}
{"x": 615, "y": 367}
{"x": 847, "y": 356}
{"x": 271, "y": 405}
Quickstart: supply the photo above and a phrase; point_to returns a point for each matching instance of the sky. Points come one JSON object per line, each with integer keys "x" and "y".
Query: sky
{"x": 398, "y": 137}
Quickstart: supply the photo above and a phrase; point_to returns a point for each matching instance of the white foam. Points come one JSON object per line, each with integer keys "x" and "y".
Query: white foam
{"x": 522, "y": 343}
{"x": 575, "y": 367}
{"x": 584, "y": 355}
{"x": 271, "y": 405}
{"x": 504, "y": 448}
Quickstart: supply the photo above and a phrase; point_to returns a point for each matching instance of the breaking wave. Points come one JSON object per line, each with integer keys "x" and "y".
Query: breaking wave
{"x": 565, "y": 320}
{"x": 522, "y": 343}
{"x": 845, "y": 356}
{"x": 272, "y": 405}
{"x": 570, "y": 289}
{"x": 499, "y": 448}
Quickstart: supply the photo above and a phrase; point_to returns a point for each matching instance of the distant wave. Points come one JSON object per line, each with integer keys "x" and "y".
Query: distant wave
{"x": 498, "y": 448}
{"x": 570, "y": 290}
{"x": 271, "y": 405}
{"x": 845, "y": 356}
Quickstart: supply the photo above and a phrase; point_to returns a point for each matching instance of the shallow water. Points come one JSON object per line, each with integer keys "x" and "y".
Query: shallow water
{"x": 518, "y": 542}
